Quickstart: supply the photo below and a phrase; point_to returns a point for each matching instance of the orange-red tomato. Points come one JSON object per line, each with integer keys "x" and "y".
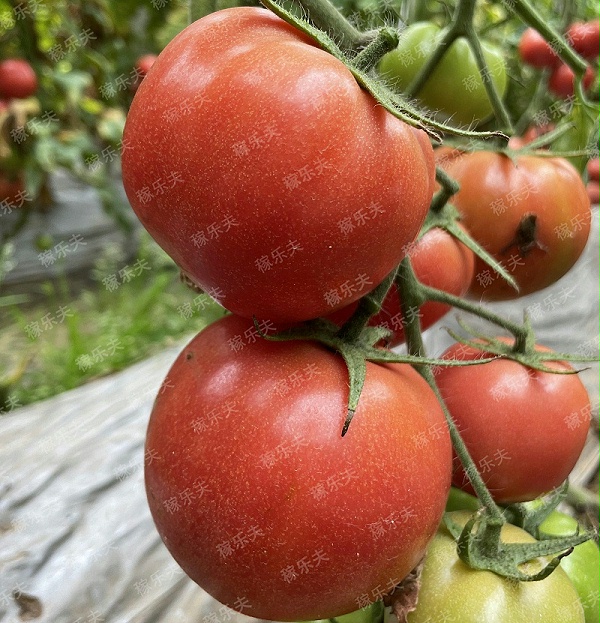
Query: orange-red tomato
{"x": 532, "y": 214}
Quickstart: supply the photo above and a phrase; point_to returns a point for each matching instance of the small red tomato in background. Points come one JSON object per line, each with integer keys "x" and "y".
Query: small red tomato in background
{"x": 17, "y": 79}
{"x": 535, "y": 50}
{"x": 10, "y": 188}
{"x": 524, "y": 429}
{"x": 584, "y": 38}
{"x": 593, "y": 169}
{"x": 144, "y": 63}
{"x": 259, "y": 498}
{"x": 562, "y": 80}
{"x": 439, "y": 261}
{"x": 593, "y": 191}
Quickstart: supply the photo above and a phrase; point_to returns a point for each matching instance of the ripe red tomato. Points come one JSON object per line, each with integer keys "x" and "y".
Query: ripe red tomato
{"x": 262, "y": 168}
{"x": 524, "y": 429}
{"x": 500, "y": 199}
{"x": 593, "y": 169}
{"x": 439, "y": 261}
{"x": 144, "y": 63}
{"x": 17, "y": 79}
{"x": 535, "y": 50}
{"x": 593, "y": 191}
{"x": 10, "y": 189}
{"x": 259, "y": 498}
{"x": 584, "y": 38}
{"x": 562, "y": 80}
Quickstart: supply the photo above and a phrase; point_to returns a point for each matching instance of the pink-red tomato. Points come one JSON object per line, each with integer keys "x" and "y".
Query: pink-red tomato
{"x": 524, "y": 429}
{"x": 562, "y": 80}
{"x": 439, "y": 261}
{"x": 593, "y": 169}
{"x": 535, "y": 50}
{"x": 593, "y": 191}
{"x": 273, "y": 180}
{"x": 584, "y": 38}
{"x": 144, "y": 63}
{"x": 531, "y": 213}
{"x": 17, "y": 79}
{"x": 259, "y": 498}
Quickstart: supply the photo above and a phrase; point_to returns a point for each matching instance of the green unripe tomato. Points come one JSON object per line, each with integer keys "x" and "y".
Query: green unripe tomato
{"x": 372, "y": 613}
{"x": 453, "y": 592}
{"x": 455, "y": 87}
{"x": 582, "y": 565}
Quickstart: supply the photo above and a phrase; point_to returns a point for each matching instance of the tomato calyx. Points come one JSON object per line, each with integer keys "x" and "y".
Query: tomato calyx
{"x": 403, "y": 599}
{"x": 522, "y": 349}
{"x": 530, "y": 515}
{"x": 357, "y": 343}
{"x": 479, "y": 545}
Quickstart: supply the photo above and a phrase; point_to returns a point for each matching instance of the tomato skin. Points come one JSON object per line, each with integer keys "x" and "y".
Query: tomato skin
{"x": 536, "y": 51}
{"x": 439, "y": 261}
{"x": 582, "y": 565}
{"x": 455, "y": 86}
{"x": 562, "y": 80}
{"x": 452, "y": 591}
{"x": 524, "y": 429}
{"x": 17, "y": 79}
{"x": 584, "y": 38}
{"x": 263, "y": 464}
{"x": 286, "y": 169}
{"x": 496, "y": 193}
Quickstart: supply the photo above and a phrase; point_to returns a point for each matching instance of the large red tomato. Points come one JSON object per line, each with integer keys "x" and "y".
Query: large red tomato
{"x": 439, "y": 261}
{"x": 276, "y": 183}
{"x": 524, "y": 429}
{"x": 259, "y": 498}
{"x": 532, "y": 214}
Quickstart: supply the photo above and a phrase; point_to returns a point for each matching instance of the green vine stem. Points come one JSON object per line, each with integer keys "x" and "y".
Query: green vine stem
{"x": 325, "y": 16}
{"x": 369, "y": 305}
{"x": 461, "y": 25}
{"x": 408, "y": 286}
{"x": 582, "y": 499}
{"x": 386, "y": 40}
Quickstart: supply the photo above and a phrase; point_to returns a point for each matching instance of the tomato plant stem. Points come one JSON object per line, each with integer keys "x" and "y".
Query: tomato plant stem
{"x": 369, "y": 305}
{"x": 408, "y": 288}
{"x": 449, "y": 187}
{"x": 386, "y": 40}
{"x": 432, "y": 294}
{"x": 325, "y": 16}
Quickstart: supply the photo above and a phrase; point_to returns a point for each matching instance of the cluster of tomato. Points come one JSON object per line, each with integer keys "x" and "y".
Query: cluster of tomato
{"x": 584, "y": 38}
{"x": 284, "y": 191}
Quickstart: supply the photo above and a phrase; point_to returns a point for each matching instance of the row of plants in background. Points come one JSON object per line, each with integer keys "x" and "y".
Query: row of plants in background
{"x": 68, "y": 72}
